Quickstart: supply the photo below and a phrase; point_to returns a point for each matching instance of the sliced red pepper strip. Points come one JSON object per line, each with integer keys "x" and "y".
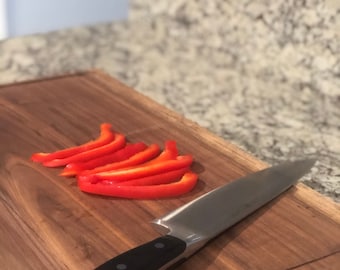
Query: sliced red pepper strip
{"x": 139, "y": 158}
{"x": 158, "y": 179}
{"x": 140, "y": 171}
{"x": 128, "y": 151}
{"x": 106, "y": 136}
{"x": 116, "y": 144}
{"x": 187, "y": 183}
{"x": 170, "y": 152}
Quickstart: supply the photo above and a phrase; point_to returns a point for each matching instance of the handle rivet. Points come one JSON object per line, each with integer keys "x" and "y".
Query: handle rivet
{"x": 121, "y": 266}
{"x": 159, "y": 245}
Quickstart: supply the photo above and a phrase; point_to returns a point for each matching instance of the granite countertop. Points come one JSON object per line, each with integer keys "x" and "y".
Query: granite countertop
{"x": 264, "y": 75}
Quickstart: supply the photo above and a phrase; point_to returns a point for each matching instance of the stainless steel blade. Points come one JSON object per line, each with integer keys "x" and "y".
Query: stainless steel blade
{"x": 207, "y": 216}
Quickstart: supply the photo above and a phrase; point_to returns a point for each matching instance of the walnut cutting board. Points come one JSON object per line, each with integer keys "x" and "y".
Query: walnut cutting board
{"x": 47, "y": 223}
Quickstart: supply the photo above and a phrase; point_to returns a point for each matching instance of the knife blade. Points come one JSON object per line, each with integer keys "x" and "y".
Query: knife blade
{"x": 188, "y": 228}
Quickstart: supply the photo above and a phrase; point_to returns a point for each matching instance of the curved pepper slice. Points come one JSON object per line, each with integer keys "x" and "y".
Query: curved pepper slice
{"x": 122, "y": 154}
{"x": 116, "y": 144}
{"x": 184, "y": 185}
{"x": 139, "y": 171}
{"x": 170, "y": 152}
{"x": 158, "y": 179}
{"x": 106, "y": 136}
{"x": 139, "y": 158}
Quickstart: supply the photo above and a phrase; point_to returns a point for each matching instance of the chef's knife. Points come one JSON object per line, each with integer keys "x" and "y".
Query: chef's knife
{"x": 191, "y": 226}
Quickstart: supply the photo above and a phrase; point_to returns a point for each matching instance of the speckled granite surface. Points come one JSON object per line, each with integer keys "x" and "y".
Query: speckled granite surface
{"x": 262, "y": 74}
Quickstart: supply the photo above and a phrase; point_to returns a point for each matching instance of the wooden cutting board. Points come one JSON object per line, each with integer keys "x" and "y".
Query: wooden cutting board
{"x": 47, "y": 223}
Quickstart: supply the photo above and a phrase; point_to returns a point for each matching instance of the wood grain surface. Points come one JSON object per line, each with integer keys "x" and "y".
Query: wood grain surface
{"x": 47, "y": 223}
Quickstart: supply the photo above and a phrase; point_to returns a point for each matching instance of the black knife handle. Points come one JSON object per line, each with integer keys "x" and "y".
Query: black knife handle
{"x": 150, "y": 256}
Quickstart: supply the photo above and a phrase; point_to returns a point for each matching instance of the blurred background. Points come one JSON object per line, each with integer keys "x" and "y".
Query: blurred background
{"x": 22, "y": 17}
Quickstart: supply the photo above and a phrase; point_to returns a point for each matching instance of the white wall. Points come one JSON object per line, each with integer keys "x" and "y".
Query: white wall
{"x": 3, "y": 19}
{"x": 33, "y": 16}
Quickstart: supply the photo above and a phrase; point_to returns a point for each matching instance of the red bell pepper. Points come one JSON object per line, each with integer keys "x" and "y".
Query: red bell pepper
{"x": 157, "y": 179}
{"x": 170, "y": 152}
{"x": 139, "y": 158}
{"x": 116, "y": 144}
{"x": 122, "y": 154}
{"x": 139, "y": 171}
{"x": 184, "y": 185}
{"x": 106, "y": 136}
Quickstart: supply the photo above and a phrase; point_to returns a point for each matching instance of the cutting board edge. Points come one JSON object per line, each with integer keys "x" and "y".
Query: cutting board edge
{"x": 317, "y": 201}
{"x": 51, "y": 77}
